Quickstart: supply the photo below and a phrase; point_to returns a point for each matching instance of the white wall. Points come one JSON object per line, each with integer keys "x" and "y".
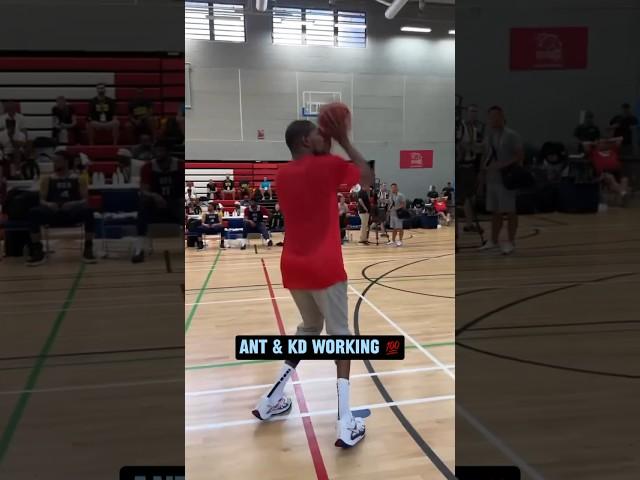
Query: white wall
{"x": 545, "y": 105}
{"x": 400, "y": 88}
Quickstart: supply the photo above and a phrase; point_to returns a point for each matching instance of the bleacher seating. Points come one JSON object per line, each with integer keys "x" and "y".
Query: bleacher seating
{"x": 36, "y": 81}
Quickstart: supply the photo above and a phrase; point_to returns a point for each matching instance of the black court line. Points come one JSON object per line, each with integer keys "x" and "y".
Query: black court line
{"x": 97, "y": 352}
{"x": 553, "y": 325}
{"x": 534, "y": 233}
{"x": 506, "y": 306}
{"x": 417, "y": 438}
{"x": 547, "y": 365}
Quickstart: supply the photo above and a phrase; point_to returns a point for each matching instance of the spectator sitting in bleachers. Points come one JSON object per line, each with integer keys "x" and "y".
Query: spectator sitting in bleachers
{"x": 79, "y": 164}
{"x": 161, "y": 182}
{"x": 244, "y": 188}
{"x": 238, "y": 210}
{"x": 12, "y": 141}
{"x": 171, "y": 131}
{"x": 228, "y": 189}
{"x": 440, "y": 206}
{"x": 29, "y": 168}
{"x": 605, "y": 156}
{"x": 276, "y": 222}
{"x": 11, "y": 118}
{"x": 141, "y": 114}
{"x": 257, "y": 195}
{"x": 63, "y": 202}
{"x": 265, "y": 188}
{"x": 130, "y": 167}
{"x": 254, "y": 222}
{"x": 212, "y": 189}
{"x": 144, "y": 149}
{"x": 64, "y": 122}
{"x": 180, "y": 119}
{"x": 102, "y": 111}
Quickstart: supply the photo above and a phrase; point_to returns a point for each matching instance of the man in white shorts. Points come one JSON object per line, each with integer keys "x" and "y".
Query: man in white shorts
{"x": 503, "y": 149}
{"x": 396, "y": 201}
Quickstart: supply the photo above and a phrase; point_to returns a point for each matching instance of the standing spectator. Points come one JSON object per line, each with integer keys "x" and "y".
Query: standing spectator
{"x": 432, "y": 194}
{"x": 276, "y": 222}
{"x": 397, "y": 201}
{"x": 29, "y": 168}
{"x": 254, "y": 222}
{"x": 141, "y": 114}
{"x": 364, "y": 205}
{"x": 11, "y": 118}
{"x": 623, "y": 123}
{"x": 12, "y": 140}
{"x": 469, "y": 155}
{"x": 504, "y": 148}
{"x": 343, "y": 211}
{"x": 265, "y": 188}
{"x": 63, "y": 202}
{"x": 587, "y": 131}
{"x": 447, "y": 192}
{"x": 227, "y": 186}
{"x": 102, "y": 110}
{"x": 64, "y": 121}
{"x": 144, "y": 149}
{"x": 378, "y": 215}
{"x": 211, "y": 189}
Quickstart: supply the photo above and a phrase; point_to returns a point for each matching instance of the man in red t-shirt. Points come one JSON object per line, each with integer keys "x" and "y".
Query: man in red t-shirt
{"x": 311, "y": 264}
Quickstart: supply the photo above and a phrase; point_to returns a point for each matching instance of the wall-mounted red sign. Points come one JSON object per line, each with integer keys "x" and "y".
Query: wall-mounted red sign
{"x": 549, "y": 48}
{"x": 416, "y": 158}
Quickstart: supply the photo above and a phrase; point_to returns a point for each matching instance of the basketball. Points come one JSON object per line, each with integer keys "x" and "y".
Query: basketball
{"x": 334, "y": 119}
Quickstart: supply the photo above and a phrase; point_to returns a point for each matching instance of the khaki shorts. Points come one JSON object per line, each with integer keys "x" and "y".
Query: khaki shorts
{"x": 328, "y": 306}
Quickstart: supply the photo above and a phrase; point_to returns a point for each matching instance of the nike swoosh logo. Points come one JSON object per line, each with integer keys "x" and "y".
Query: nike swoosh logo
{"x": 355, "y": 434}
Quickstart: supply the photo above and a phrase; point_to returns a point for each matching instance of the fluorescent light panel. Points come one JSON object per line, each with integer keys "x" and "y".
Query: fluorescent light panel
{"x": 452, "y": 32}
{"x": 416, "y": 29}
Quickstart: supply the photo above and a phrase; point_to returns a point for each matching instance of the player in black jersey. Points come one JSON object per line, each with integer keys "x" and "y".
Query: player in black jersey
{"x": 254, "y": 222}
{"x": 63, "y": 202}
{"x": 161, "y": 195}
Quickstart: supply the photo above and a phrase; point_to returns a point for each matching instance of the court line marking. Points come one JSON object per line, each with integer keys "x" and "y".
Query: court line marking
{"x": 32, "y": 379}
{"x": 201, "y": 293}
{"x": 97, "y": 386}
{"x": 406, "y": 335}
{"x": 499, "y": 444}
{"x": 312, "y": 440}
{"x": 303, "y": 415}
{"x": 249, "y": 362}
{"x": 315, "y": 380}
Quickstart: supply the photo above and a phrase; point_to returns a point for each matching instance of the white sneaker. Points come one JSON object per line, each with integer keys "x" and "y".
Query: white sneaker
{"x": 507, "y": 248}
{"x": 265, "y": 409}
{"x": 350, "y": 431}
{"x": 489, "y": 245}
{"x": 398, "y": 243}
{"x": 391, "y": 243}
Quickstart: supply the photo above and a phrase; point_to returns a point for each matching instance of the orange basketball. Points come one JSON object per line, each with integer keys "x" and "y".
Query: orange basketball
{"x": 334, "y": 119}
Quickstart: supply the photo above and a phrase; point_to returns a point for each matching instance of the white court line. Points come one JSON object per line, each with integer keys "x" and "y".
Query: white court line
{"x": 99, "y": 386}
{"x": 373, "y": 406}
{"x": 405, "y": 334}
{"x": 314, "y": 380}
{"x": 499, "y": 444}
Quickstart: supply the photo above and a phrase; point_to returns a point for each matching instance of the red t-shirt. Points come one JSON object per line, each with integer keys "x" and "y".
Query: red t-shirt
{"x": 307, "y": 188}
{"x": 440, "y": 206}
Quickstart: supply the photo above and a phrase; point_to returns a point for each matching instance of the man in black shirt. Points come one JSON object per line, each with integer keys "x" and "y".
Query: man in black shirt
{"x": 162, "y": 193}
{"x": 141, "y": 114}
{"x": 63, "y": 202}
{"x": 64, "y": 121}
{"x": 102, "y": 110}
{"x": 587, "y": 131}
{"x": 227, "y": 186}
{"x": 623, "y": 123}
{"x": 448, "y": 192}
{"x": 364, "y": 206}
{"x": 144, "y": 149}
{"x": 276, "y": 222}
{"x": 432, "y": 194}
{"x": 254, "y": 222}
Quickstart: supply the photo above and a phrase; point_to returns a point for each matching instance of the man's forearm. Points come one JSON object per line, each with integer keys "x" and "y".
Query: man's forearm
{"x": 366, "y": 176}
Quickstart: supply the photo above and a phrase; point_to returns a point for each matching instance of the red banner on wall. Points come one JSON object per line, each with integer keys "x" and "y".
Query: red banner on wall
{"x": 549, "y": 48}
{"x": 416, "y": 158}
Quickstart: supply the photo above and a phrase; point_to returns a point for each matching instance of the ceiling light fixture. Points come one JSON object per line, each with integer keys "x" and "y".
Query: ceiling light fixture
{"x": 416, "y": 29}
{"x": 261, "y": 5}
{"x": 452, "y": 32}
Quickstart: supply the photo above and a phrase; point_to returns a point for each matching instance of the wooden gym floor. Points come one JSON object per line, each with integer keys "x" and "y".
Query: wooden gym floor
{"x": 547, "y": 348}
{"x": 92, "y": 357}
{"x": 410, "y": 433}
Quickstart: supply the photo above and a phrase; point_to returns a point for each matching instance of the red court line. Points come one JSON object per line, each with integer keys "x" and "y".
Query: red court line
{"x": 314, "y": 448}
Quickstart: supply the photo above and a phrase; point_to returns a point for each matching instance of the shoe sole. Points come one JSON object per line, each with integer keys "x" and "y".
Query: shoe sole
{"x": 342, "y": 444}
{"x": 36, "y": 264}
{"x": 256, "y": 413}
